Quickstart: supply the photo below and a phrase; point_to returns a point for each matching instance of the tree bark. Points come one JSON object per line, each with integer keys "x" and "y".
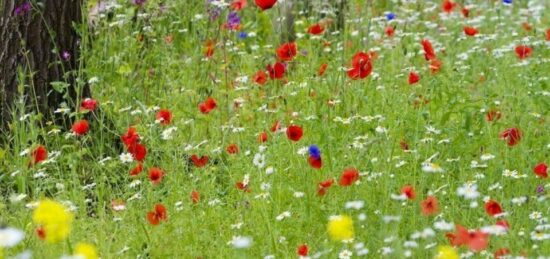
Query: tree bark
{"x": 39, "y": 45}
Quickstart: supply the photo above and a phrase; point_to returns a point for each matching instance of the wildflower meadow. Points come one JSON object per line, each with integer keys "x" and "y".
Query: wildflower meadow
{"x": 284, "y": 129}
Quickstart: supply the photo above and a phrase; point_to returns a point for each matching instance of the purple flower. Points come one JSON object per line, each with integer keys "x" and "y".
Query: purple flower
{"x": 66, "y": 55}
{"x": 22, "y": 9}
{"x": 139, "y": 2}
{"x": 233, "y": 20}
{"x": 540, "y": 189}
{"x": 213, "y": 11}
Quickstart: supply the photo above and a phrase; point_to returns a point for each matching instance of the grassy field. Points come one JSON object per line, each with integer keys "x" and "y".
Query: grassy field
{"x": 453, "y": 164}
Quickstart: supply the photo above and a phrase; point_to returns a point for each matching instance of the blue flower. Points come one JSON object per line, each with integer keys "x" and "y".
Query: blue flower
{"x": 390, "y": 16}
{"x": 242, "y": 35}
{"x": 507, "y": 1}
{"x": 314, "y": 151}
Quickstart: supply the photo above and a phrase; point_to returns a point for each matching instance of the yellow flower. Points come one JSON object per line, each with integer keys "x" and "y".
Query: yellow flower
{"x": 54, "y": 219}
{"x": 86, "y": 250}
{"x": 340, "y": 228}
{"x": 446, "y": 252}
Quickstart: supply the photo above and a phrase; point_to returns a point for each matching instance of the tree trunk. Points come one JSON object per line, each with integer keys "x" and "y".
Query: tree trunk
{"x": 39, "y": 46}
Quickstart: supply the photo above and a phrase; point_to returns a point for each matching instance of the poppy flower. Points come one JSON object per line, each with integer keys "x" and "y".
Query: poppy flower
{"x": 429, "y": 206}
{"x": 448, "y": 6}
{"x": 470, "y": 31}
{"x": 238, "y": 5}
{"x": 130, "y": 137}
{"x": 526, "y": 26}
{"x": 323, "y": 186}
{"x": 322, "y": 69}
{"x": 208, "y": 105}
{"x": 492, "y": 208}
{"x": 277, "y": 71}
{"x": 408, "y": 191}
{"x": 158, "y": 214}
{"x": 404, "y": 145}
{"x": 493, "y": 115}
{"x": 413, "y": 78}
{"x": 302, "y": 250}
{"x": 349, "y": 176}
{"x": 88, "y": 104}
{"x": 503, "y": 223}
{"x": 232, "y": 149}
{"x": 276, "y": 126}
{"x": 260, "y": 77}
{"x": 501, "y": 253}
{"x": 195, "y": 197}
{"x": 242, "y": 186}
{"x": 287, "y": 51}
{"x": 548, "y": 34}
{"x": 316, "y": 29}
{"x": 435, "y": 65}
{"x": 429, "y": 53}
{"x": 164, "y": 116}
{"x": 314, "y": 158}
{"x": 523, "y": 51}
{"x": 262, "y": 137}
{"x": 465, "y": 12}
{"x": 39, "y": 154}
{"x": 137, "y": 169}
{"x": 155, "y": 175}
{"x": 361, "y": 66}
{"x": 389, "y": 31}
{"x": 541, "y": 170}
{"x": 294, "y": 132}
{"x": 80, "y": 127}
{"x": 138, "y": 151}
{"x": 265, "y": 4}
{"x": 475, "y": 240}
{"x": 199, "y": 162}
{"x": 511, "y": 135}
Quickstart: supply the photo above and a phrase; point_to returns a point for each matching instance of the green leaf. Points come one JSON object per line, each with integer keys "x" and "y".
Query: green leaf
{"x": 59, "y": 86}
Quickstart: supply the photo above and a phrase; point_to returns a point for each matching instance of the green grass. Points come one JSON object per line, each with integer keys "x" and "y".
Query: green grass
{"x": 132, "y": 77}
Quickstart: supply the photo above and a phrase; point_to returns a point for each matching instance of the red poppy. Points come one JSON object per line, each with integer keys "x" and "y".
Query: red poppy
{"x": 277, "y": 71}
{"x": 361, "y": 66}
{"x": 315, "y": 162}
{"x": 511, "y": 135}
{"x": 88, "y": 104}
{"x": 548, "y": 34}
{"x": 470, "y": 31}
{"x": 41, "y": 233}
{"x": 80, "y": 127}
{"x": 262, "y": 137}
{"x": 232, "y": 149}
{"x": 323, "y": 186}
{"x": 164, "y": 116}
{"x": 493, "y": 115}
{"x": 492, "y": 208}
{"x": 501, "y": 253}
{"x": 322, "y": 69}
{"x": 276, "y": 126}
{"x": 157, "y": 215}
{"x": 199, "y": 162}
{"x": 435, "y": 65}
{"x": 302, "y": 250}
{"x": 429, "y": 52}
{"x": 265, "y": 4}
{"x": 503, "y": 223}
{"x": 130, "y": 137}
{"x": 389, "y": 31}
{"x": 208, "y": 105}
{"x": 242, "y": 186}
{"x": 349, "y": 176}
{"x": 237, "y": 5}
{"x": 39, "y": 154}
{"x": 287, "y": 51}
{"x": 465, "y": 12}
{"x": 260, "y": 77}
{"x": 408, "y": 190}
{"x": 429, "y": 206}
{"x": 195, "y": 197}
{"x": 526, "y": 26}
{"x": 523, "y": 51}
{"x": 137, "y": 169}
{"x": 209, "y": 48}
{"x": 448, "y": 6}
{"x": 404, "y": 145}
{"x": 413, "y": 78}
{"x": 155, "y": 175}
{"x": 541, "y": 170}
{"x": 294, "y": 132}
{"x": 316, "y": 29}
{"x": 138, "y": 151}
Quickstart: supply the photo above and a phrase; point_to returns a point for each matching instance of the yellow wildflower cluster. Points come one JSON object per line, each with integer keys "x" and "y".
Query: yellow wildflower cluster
{"x": 54, "y": 220}
{"x": 86, "y": 251}
{"x": 446, "y": 252}
{"x": 340, "y": 228}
